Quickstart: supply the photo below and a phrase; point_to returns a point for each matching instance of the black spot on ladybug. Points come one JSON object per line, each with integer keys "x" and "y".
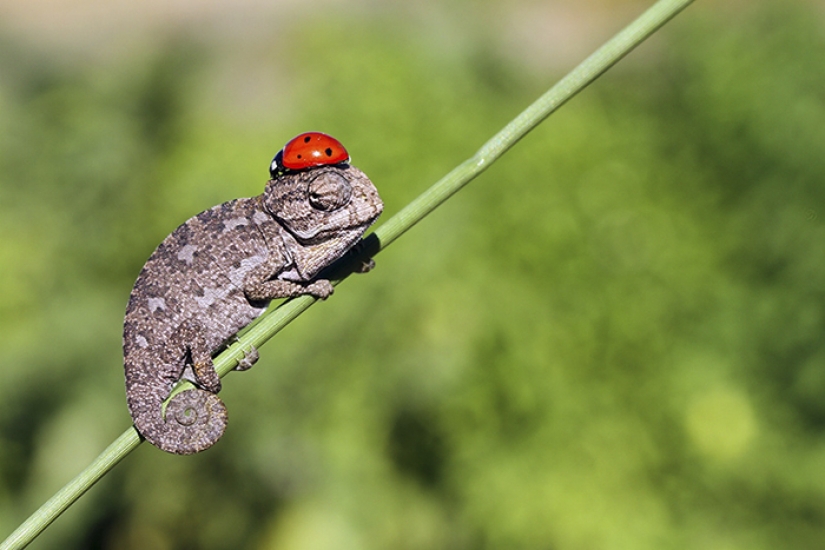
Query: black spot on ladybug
{"x": 307, "y": 139}
{"x": 328, "y": 151}
{"x": 300, "y": 156}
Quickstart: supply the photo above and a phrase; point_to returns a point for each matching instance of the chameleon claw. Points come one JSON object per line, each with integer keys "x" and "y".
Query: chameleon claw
{"x": 250, "y": 357}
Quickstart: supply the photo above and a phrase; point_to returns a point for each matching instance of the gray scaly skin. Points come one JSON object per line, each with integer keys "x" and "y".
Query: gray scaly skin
{"x": 216, "y": 273}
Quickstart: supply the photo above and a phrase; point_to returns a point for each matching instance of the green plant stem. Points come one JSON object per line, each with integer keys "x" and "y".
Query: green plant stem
{"x": 65, "y": 497}
{"x": 575, "y": 81}
{"x": 275, "y": 319}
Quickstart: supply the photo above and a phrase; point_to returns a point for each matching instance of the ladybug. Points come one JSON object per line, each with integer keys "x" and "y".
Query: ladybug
{"x": 308, "y": 150}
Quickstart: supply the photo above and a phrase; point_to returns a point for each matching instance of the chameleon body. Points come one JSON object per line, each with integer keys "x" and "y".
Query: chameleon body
{"x": 216, "y": 273}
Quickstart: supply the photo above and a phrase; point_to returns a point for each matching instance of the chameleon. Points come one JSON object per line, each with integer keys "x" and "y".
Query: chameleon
{"x": 219, "y": 270}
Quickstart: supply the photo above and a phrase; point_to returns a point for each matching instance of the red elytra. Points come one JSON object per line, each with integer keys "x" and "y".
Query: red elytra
{"x": 312, "y": 149}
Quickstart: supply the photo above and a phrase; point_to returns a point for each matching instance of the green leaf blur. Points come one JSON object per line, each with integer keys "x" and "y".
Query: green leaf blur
{"x": 613, "y": 339}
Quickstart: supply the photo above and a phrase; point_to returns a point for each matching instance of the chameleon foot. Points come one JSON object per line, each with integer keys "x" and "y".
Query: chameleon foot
{"x": 250, "y": 357}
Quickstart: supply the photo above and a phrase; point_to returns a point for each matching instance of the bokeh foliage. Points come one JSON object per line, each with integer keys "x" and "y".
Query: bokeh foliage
{"x": 612, "y": 339}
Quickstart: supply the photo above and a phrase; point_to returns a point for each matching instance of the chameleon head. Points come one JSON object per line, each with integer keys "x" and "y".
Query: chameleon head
{"x": 319, "y": 204}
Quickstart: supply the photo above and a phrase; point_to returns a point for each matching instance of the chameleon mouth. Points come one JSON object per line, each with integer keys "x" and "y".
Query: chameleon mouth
{"x": 321, "y": 235}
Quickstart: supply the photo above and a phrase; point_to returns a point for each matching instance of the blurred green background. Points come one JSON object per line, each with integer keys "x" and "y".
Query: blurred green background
{"x": 613, "y": 339}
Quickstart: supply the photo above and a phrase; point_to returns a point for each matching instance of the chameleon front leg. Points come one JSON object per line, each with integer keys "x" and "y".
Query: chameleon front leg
{"x": 271, "y": 290}
{"x": 259, "y": 286}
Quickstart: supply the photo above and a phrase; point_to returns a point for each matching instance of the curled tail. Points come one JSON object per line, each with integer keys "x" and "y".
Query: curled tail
{"x": 195, "y": 419}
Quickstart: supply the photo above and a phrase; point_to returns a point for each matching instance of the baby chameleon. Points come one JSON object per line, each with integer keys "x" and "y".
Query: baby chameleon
{"x": 217, "y": 272}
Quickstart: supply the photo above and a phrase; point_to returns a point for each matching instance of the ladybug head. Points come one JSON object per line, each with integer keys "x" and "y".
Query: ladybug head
{"x": 276, "y": 166}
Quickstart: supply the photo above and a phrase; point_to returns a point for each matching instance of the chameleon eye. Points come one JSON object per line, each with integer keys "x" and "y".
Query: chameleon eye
{"x": 329, "y": 192}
